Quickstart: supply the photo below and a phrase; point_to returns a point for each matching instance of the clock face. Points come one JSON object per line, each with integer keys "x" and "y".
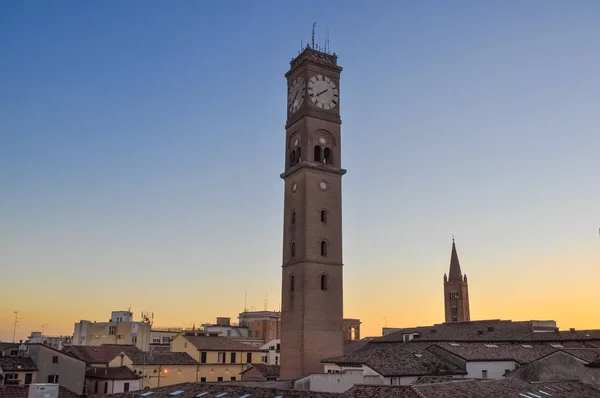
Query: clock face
{"x": 323, "y": 92}
{"x": 296, "y": 95}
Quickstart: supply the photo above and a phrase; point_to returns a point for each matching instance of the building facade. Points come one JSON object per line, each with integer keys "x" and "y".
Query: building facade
{"x": 312, "y": 283}
{"x": 120, "y": 329}
{"x": 58, "y": 367}
{"x": 264, "y": 325}
{"x": 456, "y": 291}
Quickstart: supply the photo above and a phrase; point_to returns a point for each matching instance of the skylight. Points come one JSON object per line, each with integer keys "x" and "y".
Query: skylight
{"x": 545, "y": 393}
{"x": 221, "y": 395}
{"x": 491, "y": 346}
{"x": 174, "y": 393}
{"x": 279, "y": 396}
{"x": 455, "y": 344}
{"x": 245, "y": 396}
{"x": 202, "y": 394}
{"x": 556, "y": 345}
{"x": 527, "y": 346}
{"x": 145, "y": 394}
{"x": 418, "y": 355}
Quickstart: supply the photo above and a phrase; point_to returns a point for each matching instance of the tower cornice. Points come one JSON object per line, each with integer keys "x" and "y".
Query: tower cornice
{"x": 303, "y": 165}
{"x": 310, "y": 56}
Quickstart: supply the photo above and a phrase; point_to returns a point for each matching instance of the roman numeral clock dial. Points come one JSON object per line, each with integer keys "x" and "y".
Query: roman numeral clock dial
{"x": 296, "y": 95}
{"x": 323, "y": 92}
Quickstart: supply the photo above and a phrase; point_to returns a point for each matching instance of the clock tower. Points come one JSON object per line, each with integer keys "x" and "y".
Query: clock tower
{"x": 312, "y": 288}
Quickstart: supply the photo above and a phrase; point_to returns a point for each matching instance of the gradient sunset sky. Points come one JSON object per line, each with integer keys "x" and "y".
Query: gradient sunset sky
{"x": 141, "y": 144}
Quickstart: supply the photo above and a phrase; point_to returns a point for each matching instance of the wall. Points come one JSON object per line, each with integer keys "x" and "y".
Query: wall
{"x": 70, "y": 371}
{"x": 330, "y": 382}
{"x": 558, "y": 366}
{"x": 98, "y": 333}
{"x": 21, "y": 376}
{"x": 174, "y": 374}
{"x": 495, "y": 369}
{"x": 212, "y": 369}
{"x": 119, "y": 385}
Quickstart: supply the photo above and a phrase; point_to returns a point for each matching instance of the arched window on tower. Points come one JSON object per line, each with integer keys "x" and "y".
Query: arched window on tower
{"x": 323, "y": 248}
{"x": 293, "y": 217}
{"x": 327, "y": 158}
{"x": 323, "y": 282}
{"x": 292, "y": 283}
{"x": 324, "y": 216}
{"x": 317, "y": 153}
{"x": 293, "y": 158}
{"x": 299, "y": 155}
{"x": 293, "y": 249}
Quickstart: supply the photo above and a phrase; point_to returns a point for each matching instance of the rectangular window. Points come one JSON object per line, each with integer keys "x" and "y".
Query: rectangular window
{"x": 264, "y": 359}
{"x": 10, "y": 376}
{"x": 95, "y": 387}
{"x": 221, "y": 357}
{"x": 203, "y": 357}
{"x": 232, "y": 378}
{"x": 55, "y": 359}
{"x": 28, "y": 378}
{"x": 249, "y": 357}
{"x": 233, "y": 357}
{"x": 112, "y": 330}
{"x": 219, "y": 379}
{"x": 106, "y": 387}
{"x": 203, "y": 380}
{"x": 125, "y": 387}
{"x": 134, "y": 339}
{"x": 484, "y": 374}
{"x": 52, "y": 378}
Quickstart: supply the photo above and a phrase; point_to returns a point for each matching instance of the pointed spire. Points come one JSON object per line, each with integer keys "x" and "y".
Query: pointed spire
{"x": 455, "y": 275}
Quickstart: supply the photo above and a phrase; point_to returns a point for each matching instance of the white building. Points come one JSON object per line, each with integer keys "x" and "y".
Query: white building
{"x": 272, "y": 356}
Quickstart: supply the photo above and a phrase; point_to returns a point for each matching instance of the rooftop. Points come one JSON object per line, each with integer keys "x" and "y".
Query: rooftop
{"x": 9, "y": 363}
{"x": 215, "y": 343}
{"x": 99, "y": 354}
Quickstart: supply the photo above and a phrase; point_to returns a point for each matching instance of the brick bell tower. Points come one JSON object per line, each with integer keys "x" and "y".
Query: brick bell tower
{"x": 312, "y": 289}
{"x": 456, "y": 291}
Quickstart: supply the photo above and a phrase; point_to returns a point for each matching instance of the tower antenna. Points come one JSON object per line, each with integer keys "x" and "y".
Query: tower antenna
{"x": 43, "y": 326}
{"x": 327, "y": 42}
{"x": 15, "y": 326}
{"x": 302, "y": 40}
{"x": 313, "y": 35}
{"x": 245, "y": 301}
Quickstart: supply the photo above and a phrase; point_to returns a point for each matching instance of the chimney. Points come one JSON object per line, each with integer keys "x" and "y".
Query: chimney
{"x": 572, "y": 330}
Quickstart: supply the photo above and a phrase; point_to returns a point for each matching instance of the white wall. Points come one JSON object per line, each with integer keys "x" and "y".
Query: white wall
{"x": 119, "y": 385}
{"x": 330, "y": 382}
{"x": 495, "y": 369}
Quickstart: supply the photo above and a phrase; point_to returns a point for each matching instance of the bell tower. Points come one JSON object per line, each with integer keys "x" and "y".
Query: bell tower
{"x": 312, "y": 288}
{"x": 456, "y": 291}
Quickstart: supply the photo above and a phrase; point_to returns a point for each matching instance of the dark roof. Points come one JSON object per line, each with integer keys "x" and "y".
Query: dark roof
{"x": 99, "y": 354}
{"x": 218, "y": 343}
{"x": 505, "y": 388}
{"x": 161, "y": 358}
{"x": 455, "y": 275}
{"x": 352, "y": 346}
{"x": 23, "y": 392}
{"x": 391, "y": 362}
{"x": 8, "y": 346}
{"x": 233, "y": 390}
{"x": 494, "y": 330}
{"x": 265, "y": 370}
{"x": 17, "y": 364}
{"x": 380, "y": 391}
{"x": 585, "y": 354}
{"x": 112, "y": 373}
{"x": 521, "y": 353}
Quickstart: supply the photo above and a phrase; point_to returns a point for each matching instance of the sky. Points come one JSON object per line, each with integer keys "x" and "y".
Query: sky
{"x": 141, "y": 144}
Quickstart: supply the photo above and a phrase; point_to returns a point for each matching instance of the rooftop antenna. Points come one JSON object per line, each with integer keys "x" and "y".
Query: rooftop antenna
{"x": 302, "y": 40}
{"x": 43, "y": 326}
{"x": 327, "y": 42}
{"x": 15, "y": 327}
{"x": 385, "y": 321}
{"x": 245, "y": 301}
{"x": 313, "y": 35}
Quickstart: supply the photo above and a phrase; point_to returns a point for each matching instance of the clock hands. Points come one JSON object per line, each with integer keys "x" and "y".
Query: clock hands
{"x": 322, "y": 92}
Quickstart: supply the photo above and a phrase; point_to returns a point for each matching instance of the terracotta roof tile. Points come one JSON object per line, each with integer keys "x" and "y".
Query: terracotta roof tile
{"x": 161, "y": 358}
{"x": 521, "y": 353}
{"x": 378, "y": 391}
{"x": 265, "y": 370}
{"x": 17, "y": 364}
{"x": 23, "y": 392}
{"x": 395, "y": 362}
{"x": 99, "y": 354}
{"x": 112, "y": 373}
{"x": 233, "y": 390}
{"x": 216, "y": 343}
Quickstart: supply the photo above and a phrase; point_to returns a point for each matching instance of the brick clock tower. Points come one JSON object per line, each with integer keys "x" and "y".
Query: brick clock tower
{"x": 456, "y": 292}
{"x": 312, "y": 294}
